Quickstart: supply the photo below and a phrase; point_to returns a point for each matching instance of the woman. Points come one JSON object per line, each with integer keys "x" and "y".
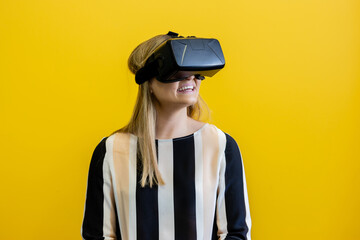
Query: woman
{"x": 166, "y": 175}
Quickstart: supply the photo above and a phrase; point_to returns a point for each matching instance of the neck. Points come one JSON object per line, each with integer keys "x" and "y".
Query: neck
{"x": 172, "y": 123}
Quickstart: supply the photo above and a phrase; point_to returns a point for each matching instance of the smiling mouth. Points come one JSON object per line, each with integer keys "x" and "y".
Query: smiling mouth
{"x": 186, "y": 89}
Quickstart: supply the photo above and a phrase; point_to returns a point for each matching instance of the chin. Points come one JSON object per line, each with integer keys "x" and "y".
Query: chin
{"x": 189, "y": 103}
{"x": 187, "y": 100}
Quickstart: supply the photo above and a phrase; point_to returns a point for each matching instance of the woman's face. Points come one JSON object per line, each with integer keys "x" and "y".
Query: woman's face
{"x": 182, "y": 93}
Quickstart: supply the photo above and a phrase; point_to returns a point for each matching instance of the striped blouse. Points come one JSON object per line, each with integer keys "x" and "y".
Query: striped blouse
{"x": 204, "y": 196}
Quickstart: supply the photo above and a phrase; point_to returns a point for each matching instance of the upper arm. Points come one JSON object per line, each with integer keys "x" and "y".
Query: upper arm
{"x": 100, "y": 221}
{"x": 233, "y": 215}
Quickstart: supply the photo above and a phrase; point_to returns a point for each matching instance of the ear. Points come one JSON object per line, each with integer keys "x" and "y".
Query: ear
{"x": 150, "y": 83}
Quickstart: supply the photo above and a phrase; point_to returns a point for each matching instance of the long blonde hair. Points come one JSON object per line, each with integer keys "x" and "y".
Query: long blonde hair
{"x": 143, "y": 119}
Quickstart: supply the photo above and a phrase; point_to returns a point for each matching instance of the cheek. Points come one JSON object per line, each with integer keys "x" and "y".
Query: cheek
{"x": 198, "y": 84}
{"x": 169, "y": 89}
{"x": 165, "y": 91}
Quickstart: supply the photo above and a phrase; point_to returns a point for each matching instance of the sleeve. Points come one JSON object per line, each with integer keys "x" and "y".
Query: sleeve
{"x": 232, "y": 214}
{"x": 100, "y": 218}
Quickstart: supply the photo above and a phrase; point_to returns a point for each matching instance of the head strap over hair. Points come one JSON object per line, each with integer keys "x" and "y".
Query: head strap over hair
{"x": 150, "y": 68}
{"x": 174, "y": 34}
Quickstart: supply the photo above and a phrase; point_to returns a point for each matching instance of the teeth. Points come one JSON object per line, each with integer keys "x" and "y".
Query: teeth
{"x": 185, "y": 88}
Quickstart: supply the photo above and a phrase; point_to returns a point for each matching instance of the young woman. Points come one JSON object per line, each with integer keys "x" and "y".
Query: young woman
{"x": 166, "y": 175}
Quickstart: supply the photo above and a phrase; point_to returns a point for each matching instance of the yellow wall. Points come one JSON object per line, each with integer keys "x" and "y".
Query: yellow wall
{"x": 289, "y": 95}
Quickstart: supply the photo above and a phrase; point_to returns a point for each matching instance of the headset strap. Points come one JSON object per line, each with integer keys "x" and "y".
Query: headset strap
{"x": 150, "y": 68}
{"x": 174, "y": 34}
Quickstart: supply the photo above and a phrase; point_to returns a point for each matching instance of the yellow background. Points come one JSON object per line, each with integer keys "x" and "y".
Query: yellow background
{"x": 289, "y": 94}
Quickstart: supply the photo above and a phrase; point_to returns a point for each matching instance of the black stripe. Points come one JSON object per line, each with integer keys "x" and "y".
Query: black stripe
{"x": 184, "y": 188}
{"x": 92, "y": 227}
{"x": 147, "y": 219}
{"x": 234, "y": 193}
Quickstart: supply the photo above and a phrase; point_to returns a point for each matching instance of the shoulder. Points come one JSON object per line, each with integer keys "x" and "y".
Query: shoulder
{"x": 230, "y": 150}
{"x": 97, "y": 158}
{"x": 224, "y": 138}
{"x": 121, "y": 142}
{"x": 107, "y": 148}
{"x": 100, "y": 148}
{"x": 103, "y": 146}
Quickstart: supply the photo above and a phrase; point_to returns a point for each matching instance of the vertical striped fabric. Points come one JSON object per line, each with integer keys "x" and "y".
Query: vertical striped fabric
{"x": 204, "y": 196}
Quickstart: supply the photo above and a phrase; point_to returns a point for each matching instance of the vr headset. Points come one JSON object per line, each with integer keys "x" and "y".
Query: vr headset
{"x": 178, "y": 58}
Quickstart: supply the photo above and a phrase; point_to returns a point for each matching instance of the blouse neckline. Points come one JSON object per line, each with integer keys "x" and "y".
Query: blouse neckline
{"x": 183, "y": 137}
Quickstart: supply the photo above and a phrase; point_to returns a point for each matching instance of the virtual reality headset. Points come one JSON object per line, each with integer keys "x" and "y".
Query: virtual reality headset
{"x": 178, "y": 58}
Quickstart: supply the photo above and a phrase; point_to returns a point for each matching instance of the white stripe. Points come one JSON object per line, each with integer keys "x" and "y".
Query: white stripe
{"x": 221, "y": 211}
{"x": 132, "y": 187}
{"x": 109, "y": 147}
{"x": 248, "y": 217}
{"x": 109, "y": 227}
{"x": 221, "y": 208}
{"x": 166, "y": 192}
{"x": 211, "y": 165}
{"x": 199, "y": 186}
{"x": 117, "y": 193}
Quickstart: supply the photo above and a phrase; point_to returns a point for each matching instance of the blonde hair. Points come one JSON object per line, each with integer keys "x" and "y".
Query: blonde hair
{"x": 143, "y": 119}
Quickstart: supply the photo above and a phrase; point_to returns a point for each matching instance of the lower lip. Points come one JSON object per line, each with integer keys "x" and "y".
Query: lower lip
{"x": 187, "y": 91}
